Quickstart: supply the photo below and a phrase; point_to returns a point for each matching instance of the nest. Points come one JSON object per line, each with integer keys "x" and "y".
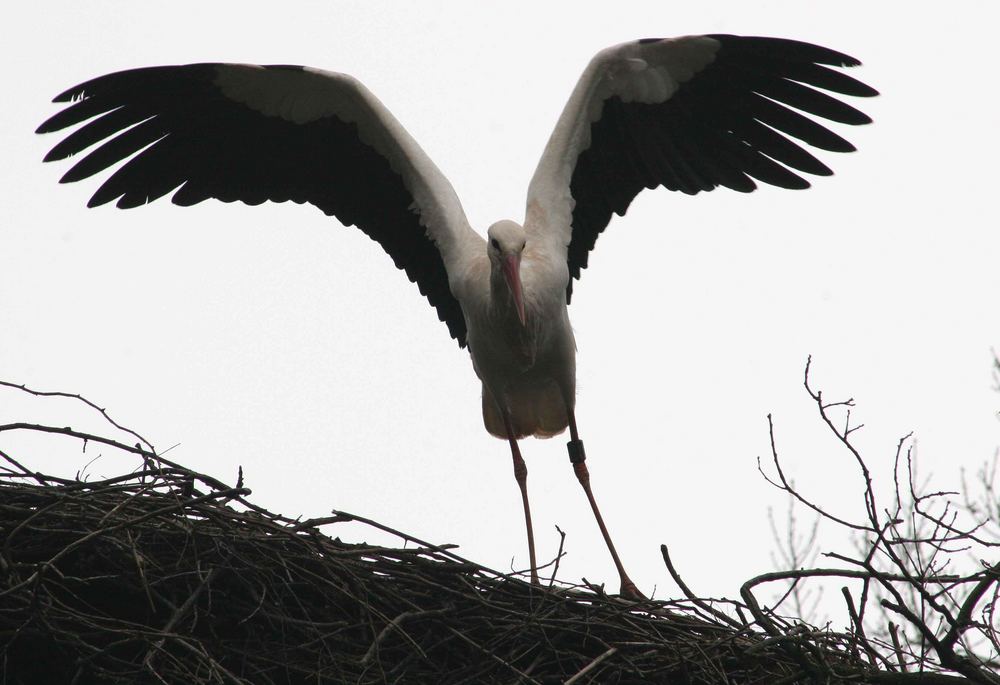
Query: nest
{"x": 164, "y": 575}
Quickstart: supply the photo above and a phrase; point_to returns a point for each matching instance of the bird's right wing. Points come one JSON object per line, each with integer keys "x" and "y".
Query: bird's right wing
{"x": 256, "y": 133}
{"x": 690, "y": 114}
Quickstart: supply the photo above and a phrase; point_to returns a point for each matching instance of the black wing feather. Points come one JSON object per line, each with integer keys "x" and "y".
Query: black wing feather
{"x": 726, "y": 126}
{"x": 184, "y": 135}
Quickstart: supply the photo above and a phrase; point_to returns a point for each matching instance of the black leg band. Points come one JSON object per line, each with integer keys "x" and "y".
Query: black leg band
{"x": 576, "y": 453}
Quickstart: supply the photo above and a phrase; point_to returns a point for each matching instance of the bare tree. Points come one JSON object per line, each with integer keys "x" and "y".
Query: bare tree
{"x": 925, "y": 571}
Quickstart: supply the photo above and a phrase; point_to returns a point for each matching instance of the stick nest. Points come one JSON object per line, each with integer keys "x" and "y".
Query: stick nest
{"x": 166, "y": 575}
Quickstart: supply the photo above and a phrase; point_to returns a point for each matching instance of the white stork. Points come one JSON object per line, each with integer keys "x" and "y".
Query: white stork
{"x": 689, "y": 113}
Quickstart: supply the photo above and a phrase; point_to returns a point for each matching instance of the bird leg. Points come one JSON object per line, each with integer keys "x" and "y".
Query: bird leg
{"x": 578, "y": 458}
{"x": 521, "y": 475}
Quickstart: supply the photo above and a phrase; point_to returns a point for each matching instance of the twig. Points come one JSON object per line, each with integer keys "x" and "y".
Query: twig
{"x": 591, "y": 666}
{"x": 701, "y": 604}
{"x": 80, "y": 398}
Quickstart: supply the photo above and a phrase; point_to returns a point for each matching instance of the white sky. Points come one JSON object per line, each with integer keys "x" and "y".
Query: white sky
{"x": 275, "y": 339}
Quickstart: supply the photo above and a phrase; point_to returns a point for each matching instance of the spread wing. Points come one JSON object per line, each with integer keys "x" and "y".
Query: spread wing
{"x": 255, "y": 133}
{"x": 690, "y": 114}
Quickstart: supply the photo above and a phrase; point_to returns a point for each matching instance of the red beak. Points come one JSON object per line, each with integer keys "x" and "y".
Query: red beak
{"x": 512, "y": 274}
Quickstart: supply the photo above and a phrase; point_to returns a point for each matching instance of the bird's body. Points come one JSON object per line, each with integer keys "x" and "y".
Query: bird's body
{"x": 689, "y": 113}
{"x": 529, "y": 368}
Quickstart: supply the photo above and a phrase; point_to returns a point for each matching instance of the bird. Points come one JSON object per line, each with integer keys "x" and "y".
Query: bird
{"x": 689, "y": 113}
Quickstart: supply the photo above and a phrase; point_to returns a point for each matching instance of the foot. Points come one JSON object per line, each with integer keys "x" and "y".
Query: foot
{"x": 630, "y": 591}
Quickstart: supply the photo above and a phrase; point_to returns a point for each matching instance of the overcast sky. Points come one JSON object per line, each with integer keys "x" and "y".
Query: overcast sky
{"x": 276, "y": 339}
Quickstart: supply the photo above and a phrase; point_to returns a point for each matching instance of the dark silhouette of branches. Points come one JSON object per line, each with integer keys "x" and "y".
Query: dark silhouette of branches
{"x": 927, "y": 570}
{"x": 165, "y": 575}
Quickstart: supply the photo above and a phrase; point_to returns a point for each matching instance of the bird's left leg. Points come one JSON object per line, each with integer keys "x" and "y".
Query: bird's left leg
{"x": 521, "y": 475}
{"x": 578, "y": 458}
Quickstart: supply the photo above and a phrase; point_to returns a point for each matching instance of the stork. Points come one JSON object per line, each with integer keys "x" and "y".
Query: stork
{"x": 690, "y": 113}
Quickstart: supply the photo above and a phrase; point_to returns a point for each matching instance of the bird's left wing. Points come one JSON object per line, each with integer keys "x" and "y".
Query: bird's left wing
{"x": 255, "y": 133}
{"x": 690, "y": 114}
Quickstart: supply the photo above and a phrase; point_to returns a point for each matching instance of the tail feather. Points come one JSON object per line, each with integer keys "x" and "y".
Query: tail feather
{"x": 534, "y": 410}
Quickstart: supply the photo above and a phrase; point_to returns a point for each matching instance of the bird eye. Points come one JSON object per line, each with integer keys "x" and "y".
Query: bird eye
{"x": 495, "y": 244}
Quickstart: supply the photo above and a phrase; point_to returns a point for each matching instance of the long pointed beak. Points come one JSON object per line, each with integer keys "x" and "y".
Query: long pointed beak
{"x": 512, "y": 274}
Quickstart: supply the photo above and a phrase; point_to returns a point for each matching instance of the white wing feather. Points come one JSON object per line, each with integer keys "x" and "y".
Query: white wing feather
{"x": 635, "y": 72}
{"x": 311, "y": 94}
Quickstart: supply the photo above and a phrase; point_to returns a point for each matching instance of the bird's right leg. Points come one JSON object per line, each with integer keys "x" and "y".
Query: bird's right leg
{"x": 521, "y": 475}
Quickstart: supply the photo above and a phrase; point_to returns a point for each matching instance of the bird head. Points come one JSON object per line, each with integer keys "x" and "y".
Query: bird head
{"x": 506, "y": 241}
